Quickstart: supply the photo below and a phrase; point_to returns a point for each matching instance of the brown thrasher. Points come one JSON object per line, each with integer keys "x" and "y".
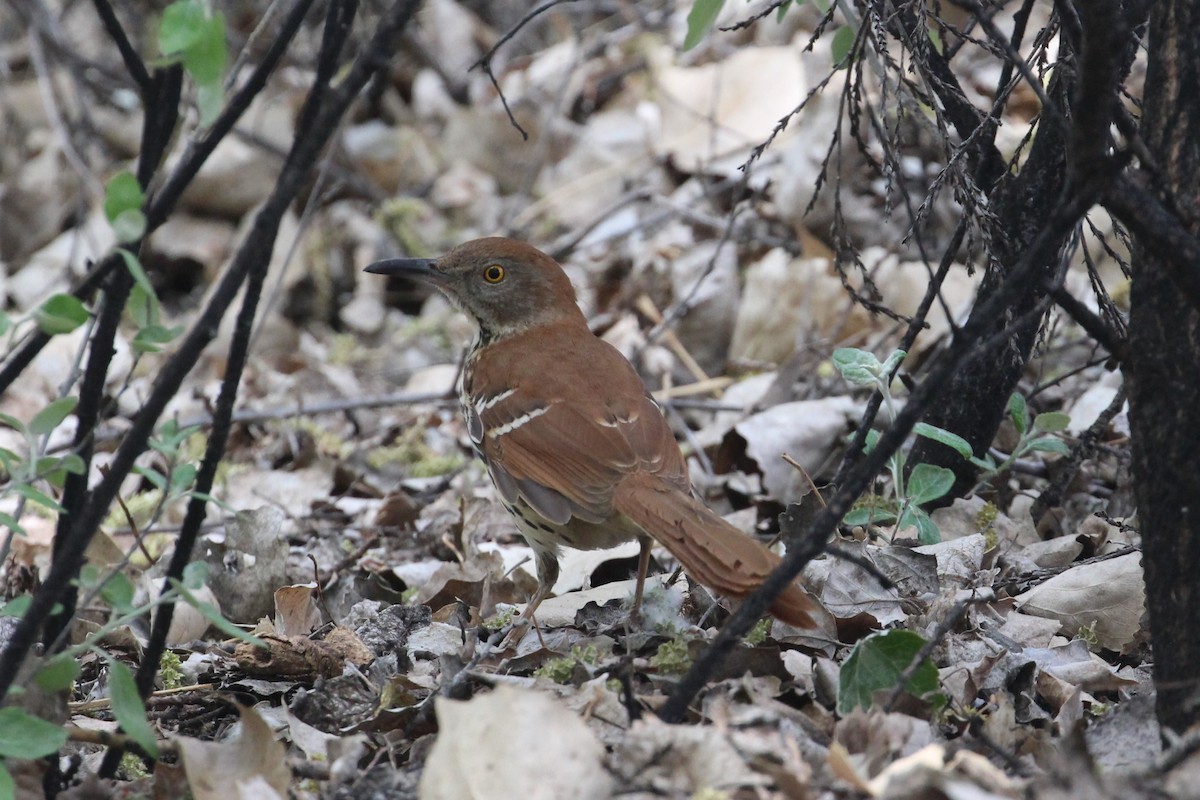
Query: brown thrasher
{"x": 579, "y": 452}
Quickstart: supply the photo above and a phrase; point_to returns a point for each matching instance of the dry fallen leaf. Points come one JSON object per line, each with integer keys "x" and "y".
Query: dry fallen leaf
{"x": 296, "y": 611}
{"x": 1109, "y": 597}
{"x": 807, "y": 430}
{"x": 513, "y": 743}
{"x": 249, "y": 764}
{"x": 683, "y": 760}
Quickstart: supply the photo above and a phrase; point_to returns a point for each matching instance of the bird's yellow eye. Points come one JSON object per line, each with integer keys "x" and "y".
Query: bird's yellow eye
{"x": 494, "y": 273}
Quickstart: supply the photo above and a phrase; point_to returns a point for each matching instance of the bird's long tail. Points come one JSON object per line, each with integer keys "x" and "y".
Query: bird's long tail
{"x": 711, "y": 550}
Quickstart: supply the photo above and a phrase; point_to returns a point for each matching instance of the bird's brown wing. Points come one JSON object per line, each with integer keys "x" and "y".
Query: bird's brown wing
{"x": 566, "y": 458}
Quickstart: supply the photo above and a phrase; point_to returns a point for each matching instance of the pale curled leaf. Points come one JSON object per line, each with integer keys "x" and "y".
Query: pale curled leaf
{"x": 1106, "y": 596}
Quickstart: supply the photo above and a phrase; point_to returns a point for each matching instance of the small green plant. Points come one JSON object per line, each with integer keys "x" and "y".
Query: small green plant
{"x": 1030, "y": 433}
{"x": 758, "y": 634}
{"x": 1087, "y": 634}
{"x": 133, "y": 768}
{"x": 170, "y": 670}
{"x": 923, "y": 484}
{"x": 561, "y": 669}
{"x": 985, "y": 521}
{"x": 672, "y": 657}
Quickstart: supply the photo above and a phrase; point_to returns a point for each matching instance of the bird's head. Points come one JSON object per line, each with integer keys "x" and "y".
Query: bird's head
{"x": 506, "y": 286}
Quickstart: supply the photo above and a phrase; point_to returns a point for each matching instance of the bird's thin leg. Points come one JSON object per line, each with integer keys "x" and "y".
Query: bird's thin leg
{"x": 547, "y": 573}
{"x": 643, "y": 568}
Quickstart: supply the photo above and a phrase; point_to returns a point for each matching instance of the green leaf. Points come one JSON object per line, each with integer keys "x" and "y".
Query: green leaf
{"x": 121, "y": 195}
{"x": 218, "y": 502}
{"x": 140, "y": 278}
{"x": 5, "y": 323}
{"x": 1019, "y": 411}
{"x": 17, "y": 606}
{"x": 987, "y": 463}
{"x": 57, "y": 674}
{"x": 34, "y": 495}
{"x": 182, "y": 476}
{"x": 156, "y": 478}
{"x": 893, "y": 361}
{"x": 205, "y": 59}
{"x": 118, "y": 592}
{"x": 23, "y": 735}
{"x": 1051, "y": 422}
{"x": 180, "y": 28}
{"x": 129, "y": 226}
{"x": 194, "y": 575}
{"x": 840, "y": 47}
{"x": 951, "y": 440}
{"x": 52, "y": 415}
{"x": 876, "y": 664}
{"x": 54, "y": 469}
{"x": 210, "y": 99}
{"x": 928, "y": 482}
{"x": 868, "y": 516}
{"x": 927, "y": 529}
{"x": 142, "y": 307}
{"x": 72, "y": 463}
{"x": 858, "y": 367}
{"x": 151, "y": 338}
{"x": 212, "y": 615}
{"x": 171, "y": 436}
{"x": 1046, "y": 444}
{"x": 10, "y": 522}
{"x": 783, "y": 7}
{"x": 128, "y": 707}
{"x": 8, "y": 789}
{"x": 62, "y": 313}
{"x": 700, "y": 20}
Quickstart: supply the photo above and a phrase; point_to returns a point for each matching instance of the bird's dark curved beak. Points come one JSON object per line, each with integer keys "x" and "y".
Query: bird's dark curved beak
{"x": 418, "y": 268}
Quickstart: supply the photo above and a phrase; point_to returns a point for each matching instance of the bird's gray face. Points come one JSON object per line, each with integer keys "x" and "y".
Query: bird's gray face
{"x": 505, "y": 286}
